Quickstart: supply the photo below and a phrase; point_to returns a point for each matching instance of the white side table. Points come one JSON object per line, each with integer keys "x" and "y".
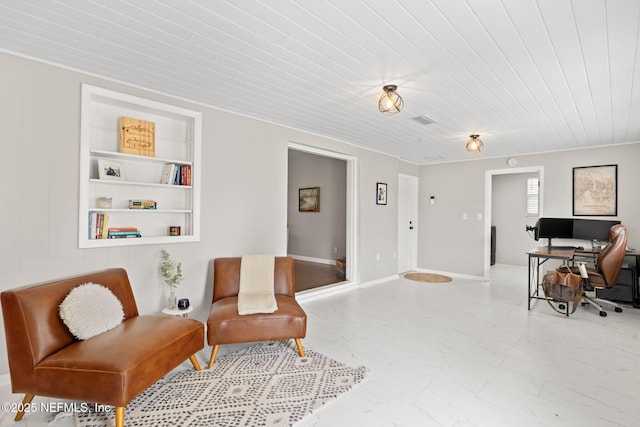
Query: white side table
{"x": 177, "y": 311}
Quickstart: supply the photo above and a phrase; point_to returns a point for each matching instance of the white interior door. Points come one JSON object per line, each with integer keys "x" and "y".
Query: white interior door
{"x": 407, "y": 223}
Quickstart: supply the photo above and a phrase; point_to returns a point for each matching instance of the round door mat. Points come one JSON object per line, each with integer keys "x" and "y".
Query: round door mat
{"x": 428, "y": 277}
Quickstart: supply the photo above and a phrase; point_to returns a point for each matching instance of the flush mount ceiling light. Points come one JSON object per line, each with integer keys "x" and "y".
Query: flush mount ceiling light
{"x": 390, "y": 102}
{"x": 474, "y": 145}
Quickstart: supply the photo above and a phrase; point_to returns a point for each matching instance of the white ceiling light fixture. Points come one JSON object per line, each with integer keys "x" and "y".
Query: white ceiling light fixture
{"x": 390, "y": 101}
{"x": 474, "y": 145}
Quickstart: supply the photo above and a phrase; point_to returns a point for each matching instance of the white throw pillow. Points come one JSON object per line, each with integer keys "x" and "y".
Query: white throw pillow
{"x": 90, "y": 310}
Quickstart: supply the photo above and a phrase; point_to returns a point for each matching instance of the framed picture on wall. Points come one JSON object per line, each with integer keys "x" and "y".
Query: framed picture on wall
{"x": 309, "y": 199}
{"x": 381, "y": 193}
{"x": 595, "y": 190}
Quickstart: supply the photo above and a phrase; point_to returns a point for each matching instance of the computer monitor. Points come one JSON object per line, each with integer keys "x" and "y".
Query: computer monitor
{"x": 569, "y": 228}
{"x": 589, "y": 229}
{"x": 549, "y": 228}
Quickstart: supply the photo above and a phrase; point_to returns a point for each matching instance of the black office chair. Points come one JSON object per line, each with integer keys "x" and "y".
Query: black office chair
{"x": 606, "y": 271}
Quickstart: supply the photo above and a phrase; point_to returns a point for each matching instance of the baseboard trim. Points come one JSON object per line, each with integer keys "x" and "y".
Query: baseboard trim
{"x": 311, "y": 259}
{"x": 379, "y": 281}
{"x": 325, "y": 291}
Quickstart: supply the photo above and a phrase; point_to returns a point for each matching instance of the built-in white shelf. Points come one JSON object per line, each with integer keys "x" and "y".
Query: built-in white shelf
{"x": 112, "y": 155}
{"x": 177, "y": 141}
{"x": 138, "y": 184}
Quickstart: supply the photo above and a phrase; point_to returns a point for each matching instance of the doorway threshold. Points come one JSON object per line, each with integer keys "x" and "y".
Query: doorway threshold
{"x": 325, "y": 291}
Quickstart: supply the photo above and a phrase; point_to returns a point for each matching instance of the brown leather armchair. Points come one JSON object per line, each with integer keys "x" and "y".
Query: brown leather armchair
{"x": 226, "y": 326}
{"x": 607, "y": 269}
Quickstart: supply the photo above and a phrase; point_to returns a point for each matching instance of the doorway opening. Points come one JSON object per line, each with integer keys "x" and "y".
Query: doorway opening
{"x": 493, "y": 176}
{"x": 322, "y": 241}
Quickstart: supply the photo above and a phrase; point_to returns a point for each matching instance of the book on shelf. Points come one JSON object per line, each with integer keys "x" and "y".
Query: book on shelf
{"x": 187, "y": 175}
{"x": 97, "y": 225}
{"x": 142, "y": 204}
{"x": 120, "y": 229}
{"x": 176, "y": 174}
{"x": 124, "y": 236}
{"x": 168, "y": 172}
{"x": 123, "y": 232}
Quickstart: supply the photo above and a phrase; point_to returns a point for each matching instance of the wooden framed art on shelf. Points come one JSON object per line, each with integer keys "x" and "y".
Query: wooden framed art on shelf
{"x": 137, "y": 137}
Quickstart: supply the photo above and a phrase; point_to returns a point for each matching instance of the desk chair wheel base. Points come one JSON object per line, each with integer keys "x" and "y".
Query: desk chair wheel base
{"x": 588, "y": 299}
{"x": 597, "y": 303}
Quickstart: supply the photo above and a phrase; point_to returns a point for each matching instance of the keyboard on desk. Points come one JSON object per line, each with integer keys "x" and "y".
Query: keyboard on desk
{"x": 560, "y": 248}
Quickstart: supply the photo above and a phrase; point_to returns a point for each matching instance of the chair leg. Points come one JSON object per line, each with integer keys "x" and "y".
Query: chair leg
{"x": 615, "y": 306}
{"x": 299, "y": 345}
{"x": 119, "y": 416}
{"x": 25, "y": 403}
{"x": 194, "y": 362}
{"x": 593, "y": 302}
{"x": 214, "y": 353}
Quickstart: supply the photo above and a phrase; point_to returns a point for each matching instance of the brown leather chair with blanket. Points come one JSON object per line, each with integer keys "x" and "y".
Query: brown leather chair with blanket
{"x": 226, "y": 326}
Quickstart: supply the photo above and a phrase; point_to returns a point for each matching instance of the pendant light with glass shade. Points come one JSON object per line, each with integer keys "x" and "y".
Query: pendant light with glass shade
{"x": 390, "y": 101}
{"x": 474, "y": 145}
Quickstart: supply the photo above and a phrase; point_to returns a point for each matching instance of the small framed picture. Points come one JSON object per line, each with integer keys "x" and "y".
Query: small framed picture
{"x": 381, "y": 193}
{"x": 108, "y": 169}
{"x": 309, "y": 199}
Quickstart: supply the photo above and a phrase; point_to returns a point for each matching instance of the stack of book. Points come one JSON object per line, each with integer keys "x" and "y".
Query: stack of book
{"x": 97, "y": 225}
{"x": 142, "y": 204}
{"x": 176, "y": 174}
{"x": 123, "y": 232}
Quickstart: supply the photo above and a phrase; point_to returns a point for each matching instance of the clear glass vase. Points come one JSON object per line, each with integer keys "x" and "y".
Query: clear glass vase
{"x": 172, "y": 301}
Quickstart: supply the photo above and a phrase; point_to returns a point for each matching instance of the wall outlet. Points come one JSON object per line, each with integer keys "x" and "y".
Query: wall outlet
{"x": 335, "y": 250}
{"x": 377, "y": 257}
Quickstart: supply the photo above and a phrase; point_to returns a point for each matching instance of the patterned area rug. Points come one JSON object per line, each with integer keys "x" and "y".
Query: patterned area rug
{"x": 427, "y": 277}
{"x": 267, "y": 384}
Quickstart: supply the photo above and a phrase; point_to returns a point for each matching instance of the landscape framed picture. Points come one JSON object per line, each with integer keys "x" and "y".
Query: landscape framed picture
{"x": 309, "y": 199}
{"x": 595, "y": 190}
{"x": 381, "y": 193}
{"x": 108, "y": 169}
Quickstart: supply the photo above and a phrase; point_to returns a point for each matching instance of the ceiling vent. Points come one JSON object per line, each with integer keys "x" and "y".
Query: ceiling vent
{"x": 423, "y": 120}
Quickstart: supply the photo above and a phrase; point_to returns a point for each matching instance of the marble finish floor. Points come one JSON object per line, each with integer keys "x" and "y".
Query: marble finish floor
{"x": 466, "y": 353}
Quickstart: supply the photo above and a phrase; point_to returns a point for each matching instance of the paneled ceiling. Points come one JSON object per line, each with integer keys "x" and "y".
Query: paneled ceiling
{"x": 527, "y": 75}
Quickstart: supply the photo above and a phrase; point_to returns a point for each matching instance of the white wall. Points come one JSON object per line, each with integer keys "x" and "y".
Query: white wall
{"x": 509, "y": 215}
{"x": 317, "y": 234}
{"x": 244, "y": 192}
{"x": 449, "y": 243}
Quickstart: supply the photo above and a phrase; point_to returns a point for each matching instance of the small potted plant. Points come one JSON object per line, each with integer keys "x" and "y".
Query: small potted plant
{"x": 172, "y": 274}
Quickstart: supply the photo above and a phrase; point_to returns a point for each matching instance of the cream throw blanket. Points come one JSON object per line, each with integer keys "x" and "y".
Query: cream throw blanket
{"x": 256, "y": 293}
